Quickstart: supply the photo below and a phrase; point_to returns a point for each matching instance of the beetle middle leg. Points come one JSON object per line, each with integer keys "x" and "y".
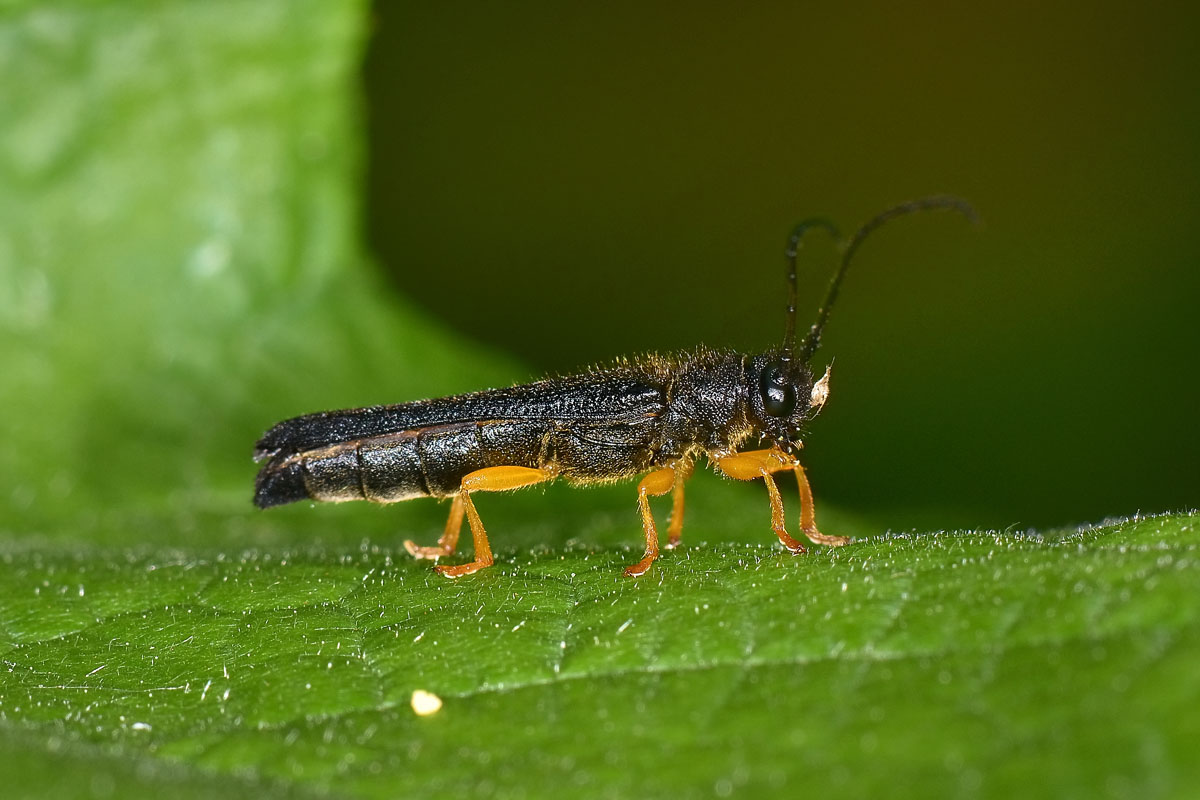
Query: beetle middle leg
{"x": 753, "y": 464}
{"x": 658, "y": 483}
{"x": 491, "y": 479}
{"x": 675, "y": 526}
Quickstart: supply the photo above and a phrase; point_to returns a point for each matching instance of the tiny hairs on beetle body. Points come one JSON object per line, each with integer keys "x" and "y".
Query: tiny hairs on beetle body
{"x": 649, "y": 415}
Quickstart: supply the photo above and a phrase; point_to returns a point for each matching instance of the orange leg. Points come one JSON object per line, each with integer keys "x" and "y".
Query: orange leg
{"x": 675, "y": 526}
{"x": 808, "y": 517}
{"x": 777, "y": 519}
{"x": 483, "y": 548}
{"x": 753, "y": 464}
{"x": 449, "y": 540}
{"x": 492, "y": 479}
{"x": 658, "y": 483}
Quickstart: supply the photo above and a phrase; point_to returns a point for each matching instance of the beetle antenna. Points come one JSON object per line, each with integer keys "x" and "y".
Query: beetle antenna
{"x": 935, "y": 202}
{"x": 793, "y": 246}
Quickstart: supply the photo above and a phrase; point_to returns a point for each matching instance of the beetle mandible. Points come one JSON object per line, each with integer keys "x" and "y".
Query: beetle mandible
{"x": 649, "y": 415}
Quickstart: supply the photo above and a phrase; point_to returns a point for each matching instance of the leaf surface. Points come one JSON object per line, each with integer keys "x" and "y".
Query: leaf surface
{"x": 950, "y": 662}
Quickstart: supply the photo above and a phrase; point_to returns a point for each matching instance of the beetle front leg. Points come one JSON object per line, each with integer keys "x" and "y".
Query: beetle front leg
{"x": 808, "y": 516}
{"x": 753, "y": 464}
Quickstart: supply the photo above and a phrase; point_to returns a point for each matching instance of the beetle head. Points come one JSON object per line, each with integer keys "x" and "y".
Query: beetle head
{"x": 784, "y": 398}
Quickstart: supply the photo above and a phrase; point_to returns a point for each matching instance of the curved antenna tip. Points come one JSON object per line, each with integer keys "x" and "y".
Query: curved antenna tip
{"x": 802, "y": 228}
{"x": 931, "y": 203}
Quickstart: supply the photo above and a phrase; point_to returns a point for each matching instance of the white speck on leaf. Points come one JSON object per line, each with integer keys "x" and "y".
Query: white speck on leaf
{"x": 425, "y": 703}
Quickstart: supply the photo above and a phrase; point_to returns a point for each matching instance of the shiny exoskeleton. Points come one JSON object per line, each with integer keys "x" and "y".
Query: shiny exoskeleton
{"x": 652, "y": 414}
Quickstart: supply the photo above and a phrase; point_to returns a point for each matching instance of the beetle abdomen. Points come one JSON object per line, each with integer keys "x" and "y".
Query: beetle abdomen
{"x": 279, "y": 483}
{"x": 427, "y": 462}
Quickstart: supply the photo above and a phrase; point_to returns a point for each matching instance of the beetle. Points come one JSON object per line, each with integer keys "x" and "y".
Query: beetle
{"x": 651, "y": 415}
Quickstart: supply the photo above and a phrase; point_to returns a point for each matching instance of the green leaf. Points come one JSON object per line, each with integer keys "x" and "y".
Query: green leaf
{"x": 948, "y": 663}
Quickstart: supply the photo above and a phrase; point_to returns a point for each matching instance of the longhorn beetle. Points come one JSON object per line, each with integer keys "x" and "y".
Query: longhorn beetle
{"x": 650, "y": 414}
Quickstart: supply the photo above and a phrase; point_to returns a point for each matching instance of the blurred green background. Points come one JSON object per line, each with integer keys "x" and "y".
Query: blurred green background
{"x": 569, "y": 183}
{"x": 196, "y": 242}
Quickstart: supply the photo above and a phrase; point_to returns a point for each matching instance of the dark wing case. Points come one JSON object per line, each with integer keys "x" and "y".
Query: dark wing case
{"x": 610, "y": 396}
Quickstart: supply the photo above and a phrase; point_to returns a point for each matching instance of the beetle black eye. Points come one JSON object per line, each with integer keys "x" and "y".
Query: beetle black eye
{"x": 778, "y": 395}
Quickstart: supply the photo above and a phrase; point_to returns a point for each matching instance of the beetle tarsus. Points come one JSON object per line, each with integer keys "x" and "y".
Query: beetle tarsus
{"x": 641, "y": 567}
{"x": 829, "y": 540}
{"x": 459, "y": 570}
{"x": 433, "y": 552}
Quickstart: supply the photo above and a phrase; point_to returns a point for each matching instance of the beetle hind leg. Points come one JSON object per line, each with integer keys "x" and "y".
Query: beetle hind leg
{"x": 491, "y": 479}
{"x": 449, "y": 539}
{"x": 483, "y": 549}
